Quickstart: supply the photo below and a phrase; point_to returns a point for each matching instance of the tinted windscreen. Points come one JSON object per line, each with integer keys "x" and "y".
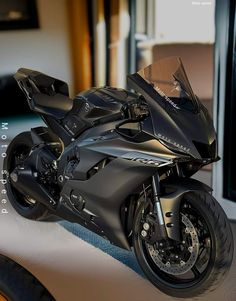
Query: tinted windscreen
{"x": 170, "y": 81}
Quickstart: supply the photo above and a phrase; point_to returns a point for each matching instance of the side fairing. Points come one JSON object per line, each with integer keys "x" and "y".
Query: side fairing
{"x": 103, "y": 188}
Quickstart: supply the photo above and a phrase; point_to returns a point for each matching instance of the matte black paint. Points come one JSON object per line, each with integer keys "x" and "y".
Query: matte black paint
{"x": 170, "y": 202}
{"x": 182, "y": 127}
{"x": 105, "y": 192}
{"x": 89, "y": 127}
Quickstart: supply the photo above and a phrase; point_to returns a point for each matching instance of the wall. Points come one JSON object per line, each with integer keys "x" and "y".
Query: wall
{"x": 198, "y": 63}
{"x": 46, "y": 49}
{"x": 185, "y": 21}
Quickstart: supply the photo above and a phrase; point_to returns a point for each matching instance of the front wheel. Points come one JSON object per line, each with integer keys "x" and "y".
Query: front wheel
{"x": 197, "y": 263}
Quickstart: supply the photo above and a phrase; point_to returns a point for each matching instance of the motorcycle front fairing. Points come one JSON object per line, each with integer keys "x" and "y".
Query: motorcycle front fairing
{"x": 180, "y": 121}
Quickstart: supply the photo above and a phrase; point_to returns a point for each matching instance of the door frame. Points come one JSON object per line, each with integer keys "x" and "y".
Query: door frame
{"x": 224, "y": 47}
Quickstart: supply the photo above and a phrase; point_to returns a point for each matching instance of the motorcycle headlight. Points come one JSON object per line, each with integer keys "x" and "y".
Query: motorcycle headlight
{"x": 172, "y": 145}
{"x": 206, "y": 150}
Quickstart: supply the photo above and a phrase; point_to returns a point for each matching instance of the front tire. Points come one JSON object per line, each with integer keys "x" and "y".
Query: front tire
{"x": 17, "y": 151}
{"x": 17, "y": 284}
{"x": 210, "y": 222}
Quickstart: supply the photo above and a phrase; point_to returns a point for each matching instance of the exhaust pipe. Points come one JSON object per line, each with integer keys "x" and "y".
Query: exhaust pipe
{"x": 24, "y": 180}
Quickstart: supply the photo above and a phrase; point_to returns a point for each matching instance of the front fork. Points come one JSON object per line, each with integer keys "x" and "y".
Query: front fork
{"x": 158, "y": 213}
{"x": 155, "y": 220}
{"x": 167, "y": 206}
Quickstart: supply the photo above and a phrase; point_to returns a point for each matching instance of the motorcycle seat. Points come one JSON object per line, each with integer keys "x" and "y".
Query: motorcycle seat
{"x": 56, "y": 105}
{"x": 45, "y": 94}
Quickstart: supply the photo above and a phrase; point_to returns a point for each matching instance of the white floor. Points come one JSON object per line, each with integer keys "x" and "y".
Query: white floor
{"x": 70, "y": 268}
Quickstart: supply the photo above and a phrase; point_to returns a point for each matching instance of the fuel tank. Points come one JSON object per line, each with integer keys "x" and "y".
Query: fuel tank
{"x": 97, "y": 106}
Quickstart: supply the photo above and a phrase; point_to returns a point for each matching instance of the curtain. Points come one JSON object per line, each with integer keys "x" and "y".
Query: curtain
{"x": 99, "y": 31}
{"x": 118, "y": 46}
{"x": 80, "y": 44}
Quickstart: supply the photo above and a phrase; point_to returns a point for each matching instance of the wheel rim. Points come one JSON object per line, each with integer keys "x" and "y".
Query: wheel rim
{"x": 17, "y": 160}
{"x": 175, "y": 264}
{"x": 200, "y": 269}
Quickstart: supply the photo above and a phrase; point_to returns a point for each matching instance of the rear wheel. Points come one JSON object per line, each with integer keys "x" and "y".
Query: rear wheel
{"x": 18, "y": 150}
{"x": 196, "y": 264}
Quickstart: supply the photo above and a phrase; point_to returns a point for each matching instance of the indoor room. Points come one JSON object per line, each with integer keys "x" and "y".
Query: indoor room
{"x": 117, "y": 126}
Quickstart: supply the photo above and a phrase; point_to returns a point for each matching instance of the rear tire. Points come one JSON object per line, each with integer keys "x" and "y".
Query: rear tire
{"x": 220, "y": 257}
{"x": 21, "y": 145}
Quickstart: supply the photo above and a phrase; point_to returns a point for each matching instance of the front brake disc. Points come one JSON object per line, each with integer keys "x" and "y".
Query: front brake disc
{"x": 180, "y": 267}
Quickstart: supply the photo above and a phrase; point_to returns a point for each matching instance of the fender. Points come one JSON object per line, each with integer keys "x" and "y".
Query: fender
{"x": 170, "y": 202}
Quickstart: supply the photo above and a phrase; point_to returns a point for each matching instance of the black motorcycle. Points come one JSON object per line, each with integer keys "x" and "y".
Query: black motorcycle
{"x": 120, "y": 164}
